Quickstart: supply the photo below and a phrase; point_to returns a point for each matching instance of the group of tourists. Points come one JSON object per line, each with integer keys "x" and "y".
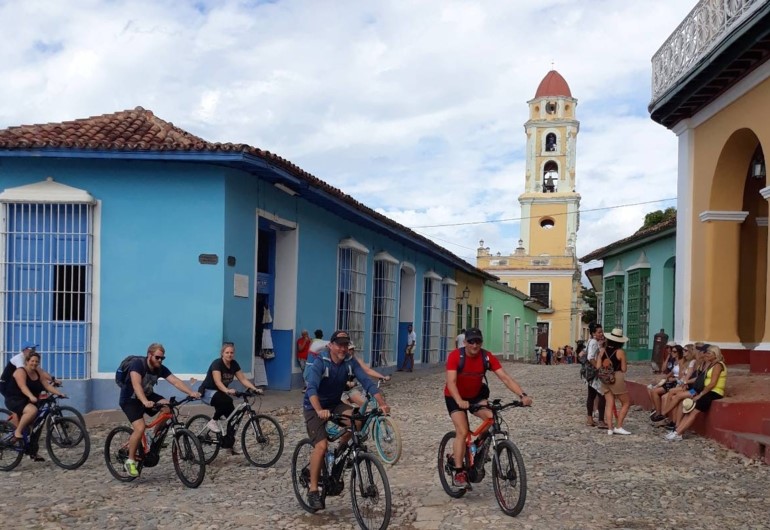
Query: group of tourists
{"x": 694, "y": 376}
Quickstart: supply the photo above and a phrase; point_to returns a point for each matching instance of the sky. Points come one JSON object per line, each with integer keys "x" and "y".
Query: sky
{"x": 415, "y": 108}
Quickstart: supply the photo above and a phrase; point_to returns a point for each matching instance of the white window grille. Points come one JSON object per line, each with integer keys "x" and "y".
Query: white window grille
{"x": 448, "y": 334}
{"x": 507, "y": 336}
{"x": 46, "y": 271}
{"x": 384, "y": 309}
{"x": 431, "y": 317}
{"x": 351, "y": 291}
{"x": 517, "y": 337}
{"x": 526, "y": 341}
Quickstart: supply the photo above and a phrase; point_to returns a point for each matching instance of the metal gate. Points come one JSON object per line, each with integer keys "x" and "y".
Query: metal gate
{"x": 46, "y": 270}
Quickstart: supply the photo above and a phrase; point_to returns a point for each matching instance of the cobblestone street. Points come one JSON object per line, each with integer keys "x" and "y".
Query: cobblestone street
{"x": 579, "y": 477}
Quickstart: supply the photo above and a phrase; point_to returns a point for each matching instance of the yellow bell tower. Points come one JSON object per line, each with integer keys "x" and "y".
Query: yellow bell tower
{"x": 544, "y": 263}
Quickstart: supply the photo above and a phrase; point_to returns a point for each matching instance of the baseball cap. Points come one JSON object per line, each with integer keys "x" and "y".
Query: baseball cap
{"x": 473, "y": 333}
{"x": 703, "y": 347}
{"x": 340, "y": 337}
{"x": 29, "y": 344}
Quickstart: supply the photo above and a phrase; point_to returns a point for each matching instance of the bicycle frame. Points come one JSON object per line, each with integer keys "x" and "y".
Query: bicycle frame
{"x": 354, "y": 445}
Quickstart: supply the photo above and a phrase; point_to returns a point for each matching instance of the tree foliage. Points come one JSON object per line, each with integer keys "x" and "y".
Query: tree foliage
{"x": 589, "y": 297}
{"x": 658, "y": 216}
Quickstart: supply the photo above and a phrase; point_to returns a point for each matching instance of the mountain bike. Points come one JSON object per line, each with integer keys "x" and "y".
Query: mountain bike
{"x": 66, "y": 441}
{"x": 508, "y": 474}
{"x": 261, "y": 437}
{"x": 186, "y": 451}
{"x": 369, "y": 487}
{"x": 384, "y": 431}
{"x": 57, "y": 411}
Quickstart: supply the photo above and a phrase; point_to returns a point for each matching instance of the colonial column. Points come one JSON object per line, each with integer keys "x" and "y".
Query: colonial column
{"x": 722, "y": 274}
{"x": 762, "y": 221}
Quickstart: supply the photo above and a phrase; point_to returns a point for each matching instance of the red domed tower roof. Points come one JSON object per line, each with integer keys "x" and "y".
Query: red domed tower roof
{"x": 553, "y": 84}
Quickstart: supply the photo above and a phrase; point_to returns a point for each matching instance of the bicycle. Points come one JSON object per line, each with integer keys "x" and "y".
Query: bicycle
{"x": 186, "y": 451}
{"x": 384, "y": 431}
{"x": 508, "y": 471}
{"x": 263, "y": 449}
{"x": 57, "y": 411}
{"x": 365, "y": 473}
{"x": 67, "y": 440}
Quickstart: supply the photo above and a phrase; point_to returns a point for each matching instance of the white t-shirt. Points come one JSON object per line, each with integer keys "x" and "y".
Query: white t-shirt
{"x": 593, "y": 349}
{"x": 317, "y": 345}
{"x": 460, "y": 340}
{"x": 18, "y": 360}
{"x": 412, "y": 338}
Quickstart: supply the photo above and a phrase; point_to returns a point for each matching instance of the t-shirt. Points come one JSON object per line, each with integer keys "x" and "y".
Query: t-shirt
{"x": 317, "y": 345}
{"x": 149, "y": 378}
{"x": 35, "y": 386}
{"x": 412, "y": 339}
{"x": 228, "y": 374}
{"x": 18, "y": 360}
{"x": 471, "y": 379}
{"x": 460, "y": 340}
{"x": 303, "y": 347}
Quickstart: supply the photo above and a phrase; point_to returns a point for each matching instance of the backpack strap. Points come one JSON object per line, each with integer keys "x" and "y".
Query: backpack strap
{"x": 484, "y": 358}
{"x": 324, "y": 356}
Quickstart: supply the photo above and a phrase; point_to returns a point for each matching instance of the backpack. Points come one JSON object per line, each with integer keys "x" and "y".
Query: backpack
{"x": 7, "y": 374}
{"x": 121, "y": 374}
{"x": 588, "y": 371}
{"x": 324, "y": 356}
{"x": 484, "y": 358}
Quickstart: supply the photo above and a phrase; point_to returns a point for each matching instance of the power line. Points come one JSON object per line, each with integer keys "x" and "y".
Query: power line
{"x": 533, "y": 217}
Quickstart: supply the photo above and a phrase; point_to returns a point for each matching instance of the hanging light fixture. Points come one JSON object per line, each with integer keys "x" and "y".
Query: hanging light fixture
{"x": 466, "y": 293}
{"x": 758, "y": 168}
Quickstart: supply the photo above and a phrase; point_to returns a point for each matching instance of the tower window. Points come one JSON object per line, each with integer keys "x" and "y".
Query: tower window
{"x": 547, "y": 223}
{"x": 550, "y": 142}
{"x": 550, "y": 177}
{"x": 550, "y": 107}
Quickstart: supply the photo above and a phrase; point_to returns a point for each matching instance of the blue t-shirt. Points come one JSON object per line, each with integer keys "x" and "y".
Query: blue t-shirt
{"x": 149, "y": 378}
{"x": 329, "y": 389}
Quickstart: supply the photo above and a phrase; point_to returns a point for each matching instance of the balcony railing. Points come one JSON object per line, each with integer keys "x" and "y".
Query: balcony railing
{"x": 704, "y": 27}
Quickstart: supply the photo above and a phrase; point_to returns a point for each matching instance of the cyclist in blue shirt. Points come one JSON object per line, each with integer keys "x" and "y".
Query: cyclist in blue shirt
{"x": 326, "y": 381}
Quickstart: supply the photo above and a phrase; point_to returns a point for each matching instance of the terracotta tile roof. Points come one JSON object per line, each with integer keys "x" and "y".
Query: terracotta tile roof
{"x": 139, "y": 130}
{"x": 639, "y": 235}
{"x": 553, "y": 84}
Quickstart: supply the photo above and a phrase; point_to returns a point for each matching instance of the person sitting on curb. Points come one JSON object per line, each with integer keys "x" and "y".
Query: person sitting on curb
{"x": 714, "y": 388}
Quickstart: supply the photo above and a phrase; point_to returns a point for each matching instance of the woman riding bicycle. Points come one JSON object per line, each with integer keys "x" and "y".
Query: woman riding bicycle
{"x": 23, "y": 390}
{"x": 214, "y": 388}
{"x": 465, "y": 371}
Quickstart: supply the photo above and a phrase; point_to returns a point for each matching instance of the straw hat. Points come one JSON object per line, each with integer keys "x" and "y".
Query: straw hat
{"x": 616, "y": 335}
{"x": 687, "y": 405}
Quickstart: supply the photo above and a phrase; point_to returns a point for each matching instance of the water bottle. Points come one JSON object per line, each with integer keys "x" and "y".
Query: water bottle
{"x": 473, "y": 452}
{"x": 330, "y": 460}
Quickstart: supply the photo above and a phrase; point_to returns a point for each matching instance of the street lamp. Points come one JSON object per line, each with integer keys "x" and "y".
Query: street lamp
{"x": 466, "y": 293}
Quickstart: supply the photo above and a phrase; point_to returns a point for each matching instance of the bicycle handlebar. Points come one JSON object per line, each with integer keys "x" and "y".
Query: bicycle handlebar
{"x": 495, "y": 406}
{"x": 172, "y": 402}
{"x": 247, "y": 393}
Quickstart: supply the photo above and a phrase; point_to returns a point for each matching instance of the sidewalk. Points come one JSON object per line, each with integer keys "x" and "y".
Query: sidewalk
{"x": 273, "y": 401}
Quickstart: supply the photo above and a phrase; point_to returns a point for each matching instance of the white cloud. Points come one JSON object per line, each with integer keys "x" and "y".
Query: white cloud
{"x": 414, "y": 108}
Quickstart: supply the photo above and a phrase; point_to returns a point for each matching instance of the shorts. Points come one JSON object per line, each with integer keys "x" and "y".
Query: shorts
{"x": 356, "y": 391}
{"x": 452, "y": 406}
{"x": 704, "y": 403}
{"x": 316, "y": 427}
{"x": 134, "y": 409}
{"x": 618, "y": 387}
{"x": 16, "y": 404}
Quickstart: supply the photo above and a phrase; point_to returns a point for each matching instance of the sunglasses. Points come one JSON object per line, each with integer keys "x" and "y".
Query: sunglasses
{"x": 159, "y": 358}
{"x": 474, "y": 341}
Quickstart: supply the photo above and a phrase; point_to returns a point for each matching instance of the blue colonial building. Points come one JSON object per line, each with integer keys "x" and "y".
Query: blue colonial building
{"x": 121, "y": 230}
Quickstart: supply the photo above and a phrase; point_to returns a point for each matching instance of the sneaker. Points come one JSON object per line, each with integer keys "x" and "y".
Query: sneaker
{"x": 314, "y": 501}
{"x": 671, "y": 427}
{"x": 460, "y": 479}
{"x": 653, "y": 413}
{"x": 130, "y": 467}
{"x": 601, "y": 425}
{"x": 620, "y": 430}
{"x": 658, "y": 418}
{"x": 36, "y": 458}
{"x": 674, "y": 436}
{"x": 213, "y": 426}
{"x": 609, "y": 431}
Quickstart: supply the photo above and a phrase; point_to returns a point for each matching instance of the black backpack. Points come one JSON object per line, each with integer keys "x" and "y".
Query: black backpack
{"x": 7, "y": 374}
{"x": 484, "y": 357}
{"x": 121, "y": 374}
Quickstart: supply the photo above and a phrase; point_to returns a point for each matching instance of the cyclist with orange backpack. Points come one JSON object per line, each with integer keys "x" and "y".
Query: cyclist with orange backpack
{"x": 465, "y": 386}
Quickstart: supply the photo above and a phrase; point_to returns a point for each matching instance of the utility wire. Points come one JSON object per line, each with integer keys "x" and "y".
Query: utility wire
{"x": 538, "y": 216}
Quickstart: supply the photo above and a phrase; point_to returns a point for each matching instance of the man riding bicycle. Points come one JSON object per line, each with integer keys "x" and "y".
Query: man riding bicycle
{"x": 465, "y": 372}
{"x": 327, "y": 379}
{"x": 137, "y": 397}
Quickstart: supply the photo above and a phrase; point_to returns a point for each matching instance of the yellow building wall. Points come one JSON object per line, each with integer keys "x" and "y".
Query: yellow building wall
{"x": 548, "y": 241}
{"x": 723, "y": 146}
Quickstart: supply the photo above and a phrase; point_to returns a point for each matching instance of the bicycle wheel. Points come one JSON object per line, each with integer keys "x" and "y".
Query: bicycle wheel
{"x": 262, "y": 440}
{"x": 67, "y": 443}
{"x": 116, "y": 452}
{"x": 187, "y": 454}
{"x": 209, "y": 440}
{"x": 10, "y": 452}
{"x": 387, "y": 439}
{"x": 370, "y": 493}
{"x": 65, "y": 411}
{"x": 300, "y": 474}
{"x": 509, "y": 478}
{"x": 446, "y": 466}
